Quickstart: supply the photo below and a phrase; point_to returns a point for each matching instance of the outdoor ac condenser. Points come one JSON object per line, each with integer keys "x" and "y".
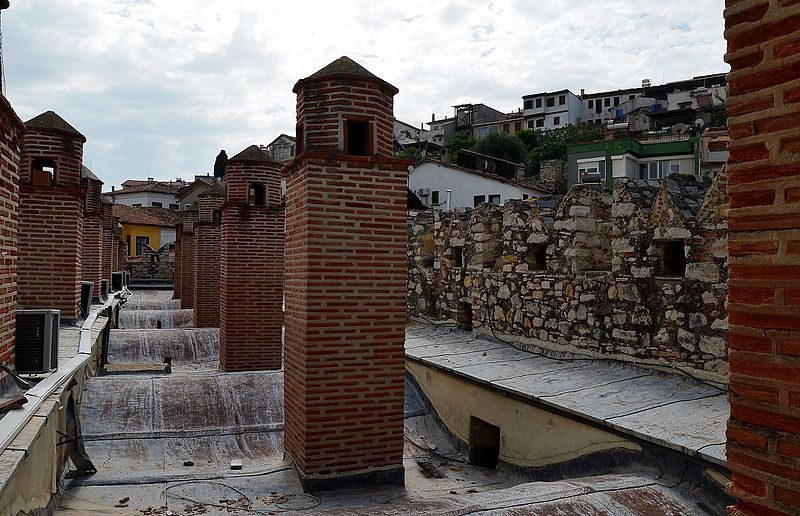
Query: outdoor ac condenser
{"x": 37, "y": 341}
{"x": 117, "y": 280}
{"x": 87, "y": 291}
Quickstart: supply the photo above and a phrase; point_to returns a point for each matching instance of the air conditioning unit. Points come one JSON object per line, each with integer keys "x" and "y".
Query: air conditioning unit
{"x": 87, "y": 289}
{"x": 117, "y": 281}
{"x": 423, "y": 192}
{"x": 36, "y": 348}
{"x": 105, "y": 289}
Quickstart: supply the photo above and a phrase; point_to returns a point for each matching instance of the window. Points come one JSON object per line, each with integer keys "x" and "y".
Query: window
{"x": 257, "y": 195}
{"x": 538, "y": 103}
{"x": 525, "y": 197}
{"x": 137, "y": 204}
{"x": 551, "y": 101}
{"x": 591, "y": 104}
{"x": 494, "y": 199}
{"x": 155, "y": 204}
{"x": 607, "y": 101}
{"x": 478, "y": 200}
{"x": 631, "y": 97}
{"x": 44, "y": 172}
{"x": 528, "y": 104}
{"x": 506, "y": 128}
{"x": 141, "y": 241}
{"x": 435, "y": 197}
{"x": 556, "y": 120}
{"x": 598, "y": 107}
{"x": 598, "y": 121}
{"x": 656, "y": 169}
{"x": 674, "y": 168}
{"x": 671, "y": 258}
{"x": 356, "y": 138}
{"x": 562, "y": 99}
{"x": 540, "y": 122}
{"x": 530, "y": 124}
{"x": 517, "y": 126}
{"x": 616, "y": 101}
{"x": 592, "y": 171}
{"x": 187, "y": 206}
{"x": 216, "y": 216}
{"x": 128, "y": 243}
{"x": 174, "y": 207}
{"x": 485, "y": 131}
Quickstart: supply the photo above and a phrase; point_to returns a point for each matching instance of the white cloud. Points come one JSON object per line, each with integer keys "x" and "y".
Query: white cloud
{"x": 158, "y": 87}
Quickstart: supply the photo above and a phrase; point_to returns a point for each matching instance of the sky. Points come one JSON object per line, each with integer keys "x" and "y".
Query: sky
{"x": 158, "y": 87}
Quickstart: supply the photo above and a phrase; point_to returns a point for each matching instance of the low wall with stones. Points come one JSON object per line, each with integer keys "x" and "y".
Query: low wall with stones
{"x": 152, "y": 264}
{"x": 638, "y": 274}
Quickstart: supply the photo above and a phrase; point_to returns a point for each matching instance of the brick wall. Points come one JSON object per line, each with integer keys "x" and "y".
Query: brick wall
{"x": 251, "y": 265}
{"x": 176, "y": 276}
{"x": 51, "y": 223}
{"x": 107, "y": 255}
{"x": 345, "y": 293}
{"x": 187, "y": 259}
{"x": 92, "y": 266}
{"x": 11, "y": 130}
{"x": 763, "y": 448}
{"x": 208, "y": 239}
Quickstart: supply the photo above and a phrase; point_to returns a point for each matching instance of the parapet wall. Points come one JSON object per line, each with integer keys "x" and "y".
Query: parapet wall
{"x": 638, "y": 273}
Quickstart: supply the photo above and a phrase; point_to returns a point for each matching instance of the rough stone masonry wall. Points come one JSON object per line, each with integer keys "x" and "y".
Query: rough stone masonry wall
{"x": 583, "y": 273}
{"x": 51, "y": 225}
{"x": 763, "y": 448}
{"x": 208, "y": 237}
{"x": 11, "y": 129}
{"x": 152, "y": 264}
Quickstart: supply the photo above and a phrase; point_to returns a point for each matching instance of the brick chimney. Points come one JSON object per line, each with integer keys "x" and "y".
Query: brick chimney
{"x": 345, "y": 283}
{"x": 11, "y": 133}
{"x": 208, "y": 241}
{"x": 51, "y": 216}
{"x": 92, "y": 230}
{"x": 185, "y": 241}
{"x": 251, "y": 275}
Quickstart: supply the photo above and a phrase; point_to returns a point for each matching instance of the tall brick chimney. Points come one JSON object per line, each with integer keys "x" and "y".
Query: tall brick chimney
{"x": 51, "y": 216}
{"x": 208, "y": 242}
{"x": 763, "y": 448}
{"x": 185, "y": 241}
{"x": 251, "y": 291}
{"x": 92, "y": 230}
{"x": 345, "y": 283}
{"x": 11, "y": 132}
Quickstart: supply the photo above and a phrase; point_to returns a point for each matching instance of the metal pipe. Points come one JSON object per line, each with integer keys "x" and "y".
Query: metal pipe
{"x": 449, "y": 200}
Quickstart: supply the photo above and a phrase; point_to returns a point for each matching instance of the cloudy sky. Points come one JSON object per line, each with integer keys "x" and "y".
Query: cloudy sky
{"x": 159, "y": 86}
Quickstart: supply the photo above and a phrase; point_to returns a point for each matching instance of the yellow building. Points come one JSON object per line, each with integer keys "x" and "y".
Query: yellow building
{"x": 141, "y": 227}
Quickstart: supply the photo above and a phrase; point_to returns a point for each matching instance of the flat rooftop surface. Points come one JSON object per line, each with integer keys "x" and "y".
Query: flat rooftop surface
{"x": 666, "y": 409}
{"x": 163, "y": 444}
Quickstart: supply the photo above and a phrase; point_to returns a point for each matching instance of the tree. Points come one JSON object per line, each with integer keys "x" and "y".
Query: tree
{"x": 555, "y": 143}
{"x": 457, "y": 142}
{"x": 503, "y": 146}
{"x": 409, "y": 153}
{"x": 529, "y": 138}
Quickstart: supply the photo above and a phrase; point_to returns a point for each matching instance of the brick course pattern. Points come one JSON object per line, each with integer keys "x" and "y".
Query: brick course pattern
{"x": 109, "y": 249}
{"x": 92, "y": 266}
{"x": 345, "y": 287}
{"x": 188, "y": 271}
{"x": 11, "y": 131}
{"x": 51, "y": 219}
{"x": 763, "y": 446}
{"x": 177, "y": 274}
{"x": 208, "y": 240}
{"x": 251, "y": 265}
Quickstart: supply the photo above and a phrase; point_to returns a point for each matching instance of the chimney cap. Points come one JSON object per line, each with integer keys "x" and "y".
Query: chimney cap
{"x": 343, "y": 68}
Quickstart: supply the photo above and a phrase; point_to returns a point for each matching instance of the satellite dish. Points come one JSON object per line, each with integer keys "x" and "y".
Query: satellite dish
{"x": 679, "y": 128}
{"x": 699, "y": 122}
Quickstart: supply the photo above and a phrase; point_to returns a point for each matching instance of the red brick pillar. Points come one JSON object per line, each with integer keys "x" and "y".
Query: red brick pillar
{"x": 11, "y": 131}
{"x": 345, "y": 283}
{"x": 51, "y": 216}
{"x": 187, "y": 259}
{"x": 763, "y": 447}
{"x": 108, "y": 240}
{"x": 251, "y": 265}
{"x": 208, "y": 236}
{"x": 176, "y": 275}
{"x": 93, "y": 231}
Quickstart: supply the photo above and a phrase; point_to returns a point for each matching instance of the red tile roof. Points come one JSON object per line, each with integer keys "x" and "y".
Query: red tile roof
{"x": 161, "y": 217}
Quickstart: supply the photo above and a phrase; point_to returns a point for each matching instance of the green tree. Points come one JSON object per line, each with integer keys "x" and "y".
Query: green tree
{"x": 409, "y": 153}
{"x": 457, "y": 142}
{"x": 555, "y": 143}
{"x": 529, "y": 138}
{"x": 503, "y": 146}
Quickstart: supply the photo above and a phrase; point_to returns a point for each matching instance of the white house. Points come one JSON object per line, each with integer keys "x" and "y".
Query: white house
{"x": 431, "y": 179}
{"x": 147, "y": 195}
{"x": 545, "y": 111}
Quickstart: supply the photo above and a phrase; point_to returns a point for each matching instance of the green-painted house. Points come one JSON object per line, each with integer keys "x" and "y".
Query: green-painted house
{"x": 650, "y": 157}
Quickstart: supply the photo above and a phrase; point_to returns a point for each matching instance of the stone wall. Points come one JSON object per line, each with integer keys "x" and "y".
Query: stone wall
{"x": 153, "y": 264}
{"x": 638, "y": 273}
